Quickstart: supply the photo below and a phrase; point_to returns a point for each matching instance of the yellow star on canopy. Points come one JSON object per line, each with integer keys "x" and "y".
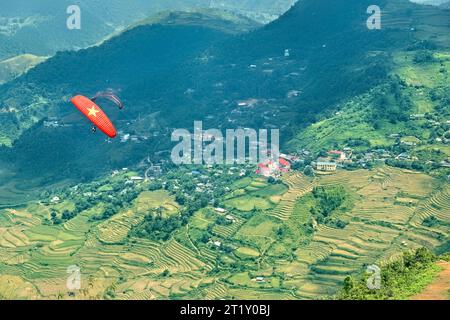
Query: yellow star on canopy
{"x": 93, "y": 111}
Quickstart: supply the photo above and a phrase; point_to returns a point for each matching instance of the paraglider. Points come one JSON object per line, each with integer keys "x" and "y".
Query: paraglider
{"x": 110, "y": 96}
{"x": 90, "y": 109}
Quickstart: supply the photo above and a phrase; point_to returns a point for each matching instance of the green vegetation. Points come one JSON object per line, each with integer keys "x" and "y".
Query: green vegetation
{"x": 14, "y": 67}
{"x": 404, "y": 119}
{"x": 157, "y": 228}
{"x": 328, "y": 199}
{"x": 432, "y": 221}
{"x": 400, "y": 279}
{"x": 222, "y": 232}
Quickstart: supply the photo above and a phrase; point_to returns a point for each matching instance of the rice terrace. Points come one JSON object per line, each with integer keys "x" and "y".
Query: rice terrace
{"x": 385, "y": 213}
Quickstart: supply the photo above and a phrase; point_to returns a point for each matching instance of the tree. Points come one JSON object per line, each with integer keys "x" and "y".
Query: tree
{"x": 221, "y": 221}
{"x": 271, "y": 180}
{"x": 67, "y": 215}
{"x": 349, "y": 284}
{"x": 423, "y": 56}
{"x": 165, "y": 273}
{"x": 180, "y": 199}
{"x": 155, "y": 186}
{"x": 309, "y": 171}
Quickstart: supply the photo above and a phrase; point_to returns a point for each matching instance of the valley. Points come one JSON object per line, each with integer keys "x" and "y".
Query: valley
{"x": 364, "y": 123}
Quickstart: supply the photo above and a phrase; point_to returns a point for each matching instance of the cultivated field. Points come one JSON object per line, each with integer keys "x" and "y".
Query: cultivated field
{"x": 267, "y": 252}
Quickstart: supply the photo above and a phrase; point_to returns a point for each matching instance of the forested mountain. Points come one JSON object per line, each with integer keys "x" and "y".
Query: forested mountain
{"x": 171, "y": 75}
{"x": 39, "y": 28}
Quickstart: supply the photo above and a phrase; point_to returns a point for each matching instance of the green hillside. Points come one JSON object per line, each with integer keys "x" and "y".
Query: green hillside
{"x": 412, "y": 108}
{"x": 14, "y": 67}
{"x": 379, "y": 97}
{"x": 219, "y": 69}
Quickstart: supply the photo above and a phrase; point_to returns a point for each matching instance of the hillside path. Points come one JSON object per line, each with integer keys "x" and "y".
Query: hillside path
{"x": 439, "y": 289}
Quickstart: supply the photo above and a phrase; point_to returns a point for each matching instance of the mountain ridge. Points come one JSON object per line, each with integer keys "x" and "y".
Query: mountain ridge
{"x": 218, "y": 72}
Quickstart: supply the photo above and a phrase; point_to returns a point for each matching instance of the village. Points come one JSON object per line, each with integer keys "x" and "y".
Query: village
{"x": 401, "y": 153}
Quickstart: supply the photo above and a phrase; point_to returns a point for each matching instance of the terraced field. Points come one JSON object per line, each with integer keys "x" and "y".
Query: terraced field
{"x": 387, "y": 215}
{"x": 39, "y": 255}
{"x": 298, "y": 185}
{"x": 377, "y": 229}
{"x": 116, "y": 229}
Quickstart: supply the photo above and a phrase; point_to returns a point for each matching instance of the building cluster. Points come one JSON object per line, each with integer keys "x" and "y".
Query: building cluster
{"x": 54, "y": 122}
{"x": 333, "y": 159}
{"x": 274, "y": 168}
{"x": 127, "y": 137}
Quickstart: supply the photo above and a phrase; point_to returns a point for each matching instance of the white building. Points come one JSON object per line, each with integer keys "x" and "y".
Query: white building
{"x": 230, "y": 218}
{"x": 137, "y": 179}
{"x": 55, "y": 199}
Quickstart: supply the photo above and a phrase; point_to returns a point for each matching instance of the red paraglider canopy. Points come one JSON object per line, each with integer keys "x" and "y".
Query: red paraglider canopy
{"x": 95, "y": 115}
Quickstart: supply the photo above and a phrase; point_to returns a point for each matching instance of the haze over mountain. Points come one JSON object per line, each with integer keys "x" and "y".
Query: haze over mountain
{"x": 261, "y": 10}
{"x": 430, "y": 2}
{"x": 39, "y": 28}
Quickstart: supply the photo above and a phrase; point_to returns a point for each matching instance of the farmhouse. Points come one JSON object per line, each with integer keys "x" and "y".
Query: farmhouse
{"x": 339, "y": 155}
{"x": 55, "y": 199}
{"x": 273, "y": 168}
{"x": 293, "y": 94}
{"x": 230, "y": 218}
{"x": 51, "y": 124}
{"x": 136, "y": 179}
{"x": 263, "y": 170}
{"x": 220, "y": 210}
{"x": 417, "y": 116}
{"x": 247, "y": 103}
{"x": 444, "y": 164}
{"x": 410, "y": 141}
{"x": 125, "y": 138}
{"x": 326, "y": 166}
{"x": 403, "y": 156}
